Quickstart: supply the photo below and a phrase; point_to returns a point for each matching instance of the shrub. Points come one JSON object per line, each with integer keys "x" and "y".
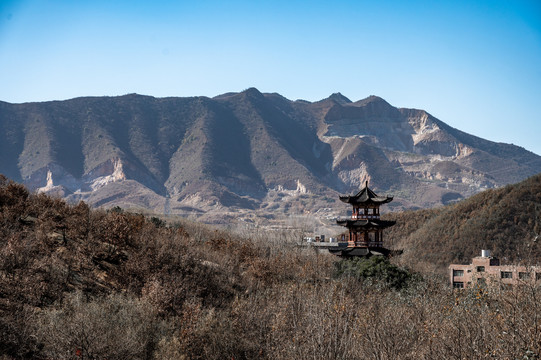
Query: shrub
{"x": 374, "y": 268}
{"x": 114, "y": 327}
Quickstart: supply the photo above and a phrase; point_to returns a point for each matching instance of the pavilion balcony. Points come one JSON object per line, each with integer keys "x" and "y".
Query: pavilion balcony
{"x": 363, "y": 216}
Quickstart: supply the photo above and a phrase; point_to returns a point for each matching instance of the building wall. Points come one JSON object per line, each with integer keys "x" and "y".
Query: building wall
{"x": 488, "y": 270}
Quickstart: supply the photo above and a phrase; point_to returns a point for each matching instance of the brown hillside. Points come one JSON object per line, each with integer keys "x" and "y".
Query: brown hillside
{"x": 505, "y": 220}
{"x": 50, "y": 251}
{"x": 82, "y": 283}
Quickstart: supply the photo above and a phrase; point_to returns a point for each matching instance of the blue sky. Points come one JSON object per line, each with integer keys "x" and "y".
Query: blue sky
{"x": 475, "y": 65}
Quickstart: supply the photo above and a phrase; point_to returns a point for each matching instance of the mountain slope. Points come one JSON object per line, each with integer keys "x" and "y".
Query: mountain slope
{"x": 505, "y": 220}
{"x": 243, "y": 152}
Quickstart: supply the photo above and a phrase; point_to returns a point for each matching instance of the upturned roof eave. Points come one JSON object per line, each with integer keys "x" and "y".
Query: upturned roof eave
{"x": 353, "y": 200}
{"x": 365, "y": 223}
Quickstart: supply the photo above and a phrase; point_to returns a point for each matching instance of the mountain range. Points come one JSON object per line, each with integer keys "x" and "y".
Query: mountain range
{"x": 248, "y": 154}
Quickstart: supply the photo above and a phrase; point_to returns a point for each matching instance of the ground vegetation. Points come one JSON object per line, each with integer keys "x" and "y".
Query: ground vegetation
{"x": 80, "y": 283}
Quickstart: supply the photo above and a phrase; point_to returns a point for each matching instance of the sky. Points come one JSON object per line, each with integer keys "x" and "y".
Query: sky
{"x": 476, "y": 65}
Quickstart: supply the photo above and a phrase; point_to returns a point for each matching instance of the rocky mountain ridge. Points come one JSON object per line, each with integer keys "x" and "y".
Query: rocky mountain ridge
{"x": 247, "y": 153}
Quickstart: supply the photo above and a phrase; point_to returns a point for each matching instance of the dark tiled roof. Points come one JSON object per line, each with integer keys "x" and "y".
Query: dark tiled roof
{"x": 365, "y": 196}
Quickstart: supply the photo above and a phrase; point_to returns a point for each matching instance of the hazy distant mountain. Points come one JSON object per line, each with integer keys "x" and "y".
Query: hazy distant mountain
{"x": 259, "y": 152}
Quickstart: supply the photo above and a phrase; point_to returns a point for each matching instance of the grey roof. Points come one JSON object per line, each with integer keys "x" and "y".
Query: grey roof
{"x": 365, "y": 196}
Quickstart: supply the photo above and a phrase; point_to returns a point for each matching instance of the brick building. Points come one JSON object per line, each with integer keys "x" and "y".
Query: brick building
{"x": 487, "y": 269}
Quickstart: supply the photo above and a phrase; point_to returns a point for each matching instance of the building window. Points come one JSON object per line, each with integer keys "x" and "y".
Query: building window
{"x": 507, "y": 275}
{"x": 458, "y": 272}
{"x": 524, "y": 275}
{"x": 458, "y": 285}
{"x": 480, "y": 269}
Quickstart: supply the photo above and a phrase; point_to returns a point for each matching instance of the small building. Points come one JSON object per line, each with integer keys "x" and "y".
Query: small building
{"x": 487, "y": 269}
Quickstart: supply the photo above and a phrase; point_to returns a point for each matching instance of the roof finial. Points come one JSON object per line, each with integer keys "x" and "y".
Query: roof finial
{"x": 366, "y": 183}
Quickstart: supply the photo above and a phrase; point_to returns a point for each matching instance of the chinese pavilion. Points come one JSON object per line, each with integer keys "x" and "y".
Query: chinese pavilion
{"x": 365, "y": 228}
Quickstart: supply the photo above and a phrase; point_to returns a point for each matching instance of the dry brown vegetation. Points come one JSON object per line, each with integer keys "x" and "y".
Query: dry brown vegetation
{"x": 504, "y": 220}
{"x": 77, "y": 283}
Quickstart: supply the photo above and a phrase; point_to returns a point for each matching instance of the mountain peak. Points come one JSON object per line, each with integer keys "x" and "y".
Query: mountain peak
{"x": 339, "y": 98}
{"x": 249, "y": 93}
{"x": 252, "y": 92}
{"x": 371, "y": 99}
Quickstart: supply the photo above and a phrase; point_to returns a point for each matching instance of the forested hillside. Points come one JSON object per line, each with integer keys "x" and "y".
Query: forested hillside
{"x": 506, "y": 221}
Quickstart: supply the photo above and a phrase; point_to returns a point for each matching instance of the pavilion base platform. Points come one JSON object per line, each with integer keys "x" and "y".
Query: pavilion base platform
{"x": 348, "y": 252}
